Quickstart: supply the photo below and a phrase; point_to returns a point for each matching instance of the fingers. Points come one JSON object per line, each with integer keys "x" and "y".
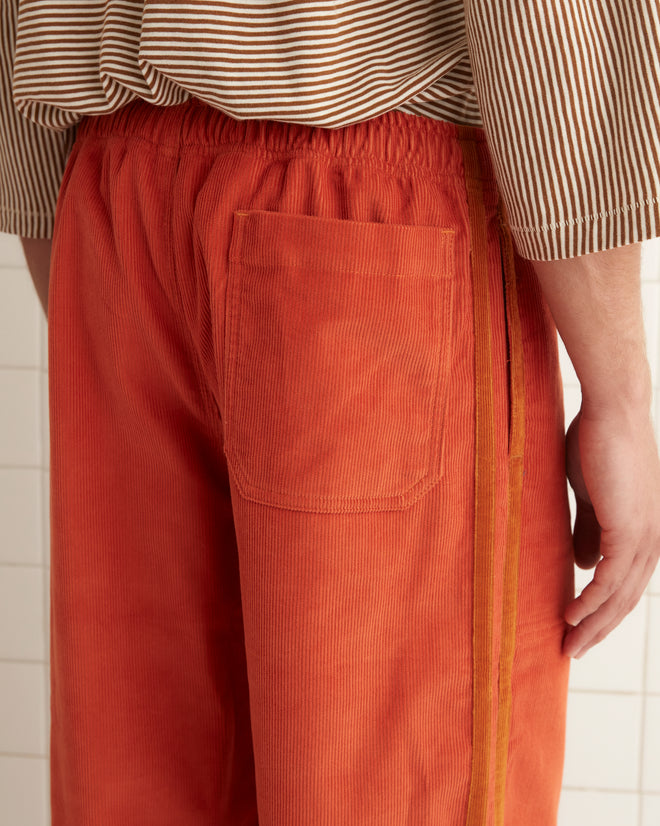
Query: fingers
{"x": 610, "y": 577}
{"x": 612, "y": 466}
{"x": 616, "y": 588}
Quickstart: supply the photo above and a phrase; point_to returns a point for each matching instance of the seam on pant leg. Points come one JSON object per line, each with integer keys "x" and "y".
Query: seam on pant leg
{"x": 484, "y": 524}
{"x": 514, "y": 517}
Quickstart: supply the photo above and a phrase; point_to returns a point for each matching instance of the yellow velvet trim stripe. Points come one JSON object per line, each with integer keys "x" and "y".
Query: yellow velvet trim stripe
{"x": 514, "y": 518}
{"x": 484, "y": 524}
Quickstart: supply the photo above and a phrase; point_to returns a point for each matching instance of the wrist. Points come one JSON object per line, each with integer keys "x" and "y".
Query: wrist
{"x": 627, "y": 399}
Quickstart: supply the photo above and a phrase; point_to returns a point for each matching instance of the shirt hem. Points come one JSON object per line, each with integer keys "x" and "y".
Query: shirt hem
{"x": 26, "y": 224}
{"x": 617, "y": 227}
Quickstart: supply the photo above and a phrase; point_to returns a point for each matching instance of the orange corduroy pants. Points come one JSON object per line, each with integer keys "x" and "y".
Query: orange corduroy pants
{"x": 310, "y": 540}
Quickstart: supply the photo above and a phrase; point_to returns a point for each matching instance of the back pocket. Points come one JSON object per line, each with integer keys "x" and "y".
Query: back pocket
{"x": 337, "y": 355}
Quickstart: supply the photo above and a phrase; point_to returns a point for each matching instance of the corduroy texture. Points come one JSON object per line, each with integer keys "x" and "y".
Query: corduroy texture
{"x": 266, "y": 604}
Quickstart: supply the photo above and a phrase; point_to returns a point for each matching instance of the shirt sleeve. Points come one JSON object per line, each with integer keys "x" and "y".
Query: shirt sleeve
{"x": 32, "y": 158}
{"x": 569, "y": 92}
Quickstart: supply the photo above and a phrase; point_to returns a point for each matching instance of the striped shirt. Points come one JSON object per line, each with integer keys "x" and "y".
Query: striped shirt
{"x": 567, "y": 91}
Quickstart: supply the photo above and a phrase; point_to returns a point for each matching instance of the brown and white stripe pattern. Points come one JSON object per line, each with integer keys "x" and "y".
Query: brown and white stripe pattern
{"x": 567, "y": 91}
{"x": 570, "y": 95}
{"x": 31, "y": 158}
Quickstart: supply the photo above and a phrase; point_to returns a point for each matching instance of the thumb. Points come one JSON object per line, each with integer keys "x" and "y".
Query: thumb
{"x": 586, "y": 531}
{"x": 586, "y": 535}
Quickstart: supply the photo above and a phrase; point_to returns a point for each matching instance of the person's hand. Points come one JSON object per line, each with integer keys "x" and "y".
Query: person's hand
{"x": 614, "y": 470}
{"x": 612, "y": 458}
{"x": 37, "y": 257}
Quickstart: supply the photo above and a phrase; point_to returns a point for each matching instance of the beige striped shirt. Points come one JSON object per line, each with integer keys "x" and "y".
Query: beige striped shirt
{"x": 567, "y": 91}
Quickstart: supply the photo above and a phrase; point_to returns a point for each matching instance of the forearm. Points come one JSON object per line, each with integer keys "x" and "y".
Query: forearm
{"x": 37, "y": 258}
{"x": 596, "y": 303}
{"x": 611, "y": 455}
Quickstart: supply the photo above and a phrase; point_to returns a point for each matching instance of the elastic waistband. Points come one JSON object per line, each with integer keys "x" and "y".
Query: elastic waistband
{"x": 394, "y": 138}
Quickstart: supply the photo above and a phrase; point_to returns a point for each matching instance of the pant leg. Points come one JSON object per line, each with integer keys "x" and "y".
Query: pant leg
{"x": 263, "y": 350}
{"x": 149, "y": 702}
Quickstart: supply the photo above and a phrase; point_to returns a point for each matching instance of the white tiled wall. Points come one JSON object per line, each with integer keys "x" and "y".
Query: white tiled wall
{"x": 24, "y": 551}
{"x": 612, "y": 775}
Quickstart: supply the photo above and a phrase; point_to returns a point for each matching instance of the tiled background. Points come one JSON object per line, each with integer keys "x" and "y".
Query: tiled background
{"x": 612, "y": 775}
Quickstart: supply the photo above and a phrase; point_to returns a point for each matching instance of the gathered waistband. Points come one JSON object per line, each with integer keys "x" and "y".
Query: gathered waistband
{"x": 392, "y": 139}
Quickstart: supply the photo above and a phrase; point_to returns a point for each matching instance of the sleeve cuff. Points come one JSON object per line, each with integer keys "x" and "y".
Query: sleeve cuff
{"x": 27, "y": 224}
{"x": 616, "y": 227}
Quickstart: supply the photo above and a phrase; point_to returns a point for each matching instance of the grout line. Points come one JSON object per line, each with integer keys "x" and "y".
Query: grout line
{"x": 14, "y": 661}
{"x": 9, "y": 466}
{"x": 602, "y": 790}
{"x": 27, "y": 756}
{"x": 21, "y": 564}
{"x": 603, "y": 692}
{"x": 618, "y": 693}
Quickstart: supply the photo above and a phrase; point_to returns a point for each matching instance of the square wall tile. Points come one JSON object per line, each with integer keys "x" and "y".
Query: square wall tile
{"x": 654, "y": 584}
{"x": 578, "y": 807}
{"x": 20, "y": 418}
{"x": 651, "y": 307}
{"x": 617, "y": 662}
{"x": 45, "y": 600}
{"x": 568, "y": 374}
{"x": 21, "y": 534}
{"x": 571, "y": 507}
{"x": 47, "y": 692}
{"x": 43, "y": 339}
{"x": 23, "y": 718}
{"x": 20, "y": 325}
{"x": 44, "y": 419}
{"x": 11, "y": 251}
{"x": 651, "y": 758}
{"x": 583, "y": 577}
{"x": 24, "y": 791}
{"x": 653, "y": 647}
{"x": 572, "y": 403}
{"x": 651, "y": 264}
{"x": 650, "y": 809}
{"x": 45, "y": 518}
{"x": 22, "y": 620}
{"x": 603, "y": 741}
